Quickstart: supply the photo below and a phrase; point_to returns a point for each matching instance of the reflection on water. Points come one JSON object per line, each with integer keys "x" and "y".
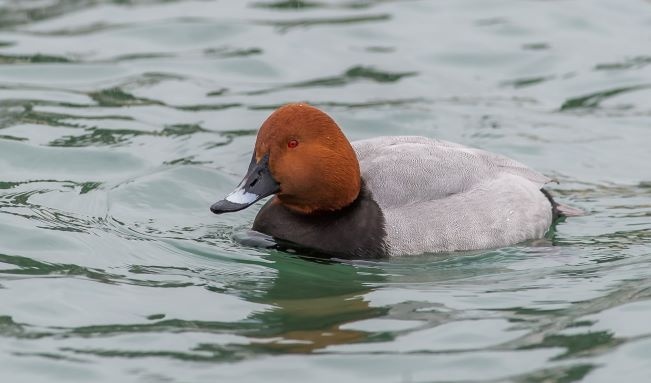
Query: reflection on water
{"x": 120, "y": 121}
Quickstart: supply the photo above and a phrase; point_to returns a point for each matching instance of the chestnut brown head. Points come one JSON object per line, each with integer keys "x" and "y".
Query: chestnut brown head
{"x": 303, "y": 157}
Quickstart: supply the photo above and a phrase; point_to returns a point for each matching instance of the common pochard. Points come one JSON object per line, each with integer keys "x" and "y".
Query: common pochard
{"x": 387, "y": 195}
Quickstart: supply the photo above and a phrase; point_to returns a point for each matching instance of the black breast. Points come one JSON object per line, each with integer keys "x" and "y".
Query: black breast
{"x": 357, "y": 231}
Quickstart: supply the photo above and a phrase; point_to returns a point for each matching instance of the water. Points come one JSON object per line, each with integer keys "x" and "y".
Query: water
{"x": 122, "y": 121}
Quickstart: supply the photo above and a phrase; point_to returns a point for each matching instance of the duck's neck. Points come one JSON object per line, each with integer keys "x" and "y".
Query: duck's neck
{"x": 357, "y": 230}
{"x": 332, "y": 189}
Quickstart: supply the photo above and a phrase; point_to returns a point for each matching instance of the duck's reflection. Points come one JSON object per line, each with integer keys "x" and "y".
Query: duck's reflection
{"x": 313, "y": 298}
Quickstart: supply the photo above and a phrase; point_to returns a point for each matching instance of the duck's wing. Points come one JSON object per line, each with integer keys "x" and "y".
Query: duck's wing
{"x": 406, "y": 170}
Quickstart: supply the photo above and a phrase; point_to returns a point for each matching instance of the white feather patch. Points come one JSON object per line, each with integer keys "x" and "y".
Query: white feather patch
{"x": 242, "y": 197}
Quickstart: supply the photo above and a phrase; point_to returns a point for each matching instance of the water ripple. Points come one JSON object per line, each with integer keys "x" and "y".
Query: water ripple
{"x": 287, "y": 25}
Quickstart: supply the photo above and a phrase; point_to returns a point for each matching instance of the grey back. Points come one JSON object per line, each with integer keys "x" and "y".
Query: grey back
{"x": 441, "y": 196}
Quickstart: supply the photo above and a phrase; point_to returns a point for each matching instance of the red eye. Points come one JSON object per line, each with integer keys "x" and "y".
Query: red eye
{"x": 292, "y": 144}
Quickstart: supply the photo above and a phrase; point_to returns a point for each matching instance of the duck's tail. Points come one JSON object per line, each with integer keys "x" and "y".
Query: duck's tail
{"x": 560, "y": 210}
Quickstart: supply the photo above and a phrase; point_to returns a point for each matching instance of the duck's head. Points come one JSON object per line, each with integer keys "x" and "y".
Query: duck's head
{"x": 303, "y": 157}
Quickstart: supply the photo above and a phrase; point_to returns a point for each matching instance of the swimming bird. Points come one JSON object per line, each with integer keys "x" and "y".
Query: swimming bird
{"x": 385, "y": 196}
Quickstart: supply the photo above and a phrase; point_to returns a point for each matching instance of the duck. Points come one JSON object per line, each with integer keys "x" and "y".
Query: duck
{"x": 385, "y": 196}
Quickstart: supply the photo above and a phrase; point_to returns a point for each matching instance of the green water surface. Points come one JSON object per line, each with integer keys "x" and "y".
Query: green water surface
{"x": 122, "y": 121}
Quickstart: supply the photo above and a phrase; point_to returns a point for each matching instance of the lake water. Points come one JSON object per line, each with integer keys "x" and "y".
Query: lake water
{"x": 122, "y": 121}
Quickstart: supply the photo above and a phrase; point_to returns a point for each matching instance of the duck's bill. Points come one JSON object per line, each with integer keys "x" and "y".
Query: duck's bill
{"x": 257, "y": 184}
